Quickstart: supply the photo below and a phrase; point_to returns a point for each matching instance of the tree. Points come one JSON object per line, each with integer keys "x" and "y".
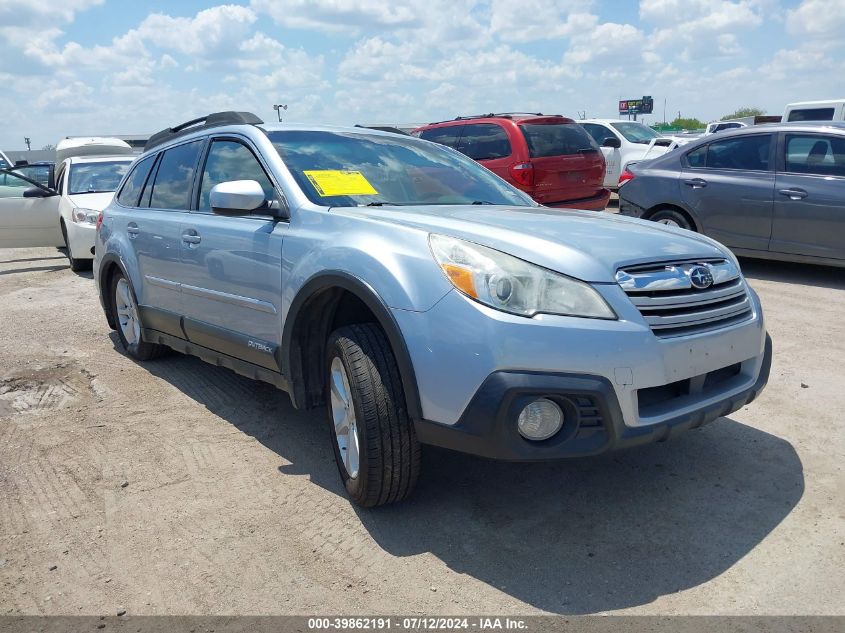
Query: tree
{"x": 687, "y": 124}
{"x": 48, "y": 147}
{"x": 742, "y": 113}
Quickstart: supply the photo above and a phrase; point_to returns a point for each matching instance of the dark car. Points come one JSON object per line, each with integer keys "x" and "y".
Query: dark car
{"x": 41, "y": 172}
{"x": 551, "y": 158}
{"x": 769, "y": 191}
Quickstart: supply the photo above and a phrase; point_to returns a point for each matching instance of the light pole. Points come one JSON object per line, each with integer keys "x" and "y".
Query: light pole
{"x": 28, "y": 144}
{"x": 278, "y": 108}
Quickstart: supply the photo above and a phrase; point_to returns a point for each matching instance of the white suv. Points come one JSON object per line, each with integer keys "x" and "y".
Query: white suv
{"x": 633, "y": 142}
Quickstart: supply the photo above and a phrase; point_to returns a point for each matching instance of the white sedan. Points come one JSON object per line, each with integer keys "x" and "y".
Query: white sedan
{"x": 34, "y": 215}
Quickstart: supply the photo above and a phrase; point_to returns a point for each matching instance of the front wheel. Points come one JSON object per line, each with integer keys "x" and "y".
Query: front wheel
{"x": 125, "y": 310}
{"x": 375, "y": 445}
{"x": 670, "y": 217}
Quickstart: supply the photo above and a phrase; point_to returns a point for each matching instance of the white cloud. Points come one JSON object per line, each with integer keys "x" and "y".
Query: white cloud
{"x": 817, "y": 18}
{"x": 699, "y": 29}
{"x": 211, "y": 32}
{"x": 532, "y": 20}
{"x": 341, "y": 15}
{"x": 39, "y": 13}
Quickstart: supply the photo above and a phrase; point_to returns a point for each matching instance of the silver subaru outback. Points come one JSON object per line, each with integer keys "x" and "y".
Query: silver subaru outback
{"x": 420, "y": 299}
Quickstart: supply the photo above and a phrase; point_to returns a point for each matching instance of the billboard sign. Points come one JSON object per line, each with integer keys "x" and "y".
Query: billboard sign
{"x": 637, "y": 106}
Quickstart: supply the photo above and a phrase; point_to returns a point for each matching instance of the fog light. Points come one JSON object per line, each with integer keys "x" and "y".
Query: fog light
{"x": 540, "y": 419}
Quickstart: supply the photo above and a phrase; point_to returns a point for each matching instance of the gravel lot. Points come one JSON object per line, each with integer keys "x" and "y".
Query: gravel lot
{"x": 174, "y": 487}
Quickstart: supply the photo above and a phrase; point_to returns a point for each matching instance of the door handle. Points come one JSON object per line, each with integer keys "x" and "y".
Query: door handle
{"x": 696, "y": 183}
{"x": 190, "y": 238}
{"x": 132, "y": 230}
{"x": 793, "y": 194}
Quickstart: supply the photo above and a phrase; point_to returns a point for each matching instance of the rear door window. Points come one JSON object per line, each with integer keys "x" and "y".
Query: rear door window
{"x": 557, "y": 139}
{"x": 131, "y": 190}
{"x": 743, "y": 152}
{"x": 448, "y": 135}
{"x": 815, "y": 154}
{"x": 697, "y": 157}
{"x": 175, "y": 176}
{"x": 484, "y": 141}
{"x": 811, "y": 114}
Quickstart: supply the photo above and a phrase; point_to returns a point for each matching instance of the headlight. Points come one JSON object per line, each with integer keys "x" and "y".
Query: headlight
{"x": 84, "y": 216}
{"x": 512, "y": 285}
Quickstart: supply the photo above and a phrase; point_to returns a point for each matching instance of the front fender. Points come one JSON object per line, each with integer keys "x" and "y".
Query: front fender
{"x": 326, "y": 280}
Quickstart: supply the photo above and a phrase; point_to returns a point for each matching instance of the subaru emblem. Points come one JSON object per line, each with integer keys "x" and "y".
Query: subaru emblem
{"x": 700, "y": 277}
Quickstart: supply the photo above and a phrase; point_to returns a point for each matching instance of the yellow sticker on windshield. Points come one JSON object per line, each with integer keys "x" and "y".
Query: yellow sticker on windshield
{"x": 332, "y": 182}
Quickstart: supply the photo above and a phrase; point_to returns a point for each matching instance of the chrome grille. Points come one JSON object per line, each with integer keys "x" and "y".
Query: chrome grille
{"x": 667, "y": 297}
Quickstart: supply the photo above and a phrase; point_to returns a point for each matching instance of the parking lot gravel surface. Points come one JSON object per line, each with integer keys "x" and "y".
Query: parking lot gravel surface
{"x": 176, "y": 487}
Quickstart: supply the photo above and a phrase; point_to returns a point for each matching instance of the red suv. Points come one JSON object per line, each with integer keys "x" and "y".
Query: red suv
{"x": 551, "y": 158}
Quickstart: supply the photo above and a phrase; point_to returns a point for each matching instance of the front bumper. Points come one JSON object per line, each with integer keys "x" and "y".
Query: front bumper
{"x": 594, "y": 424}
{"x": 81, "y": 239}
{"x": 472, "y": 363}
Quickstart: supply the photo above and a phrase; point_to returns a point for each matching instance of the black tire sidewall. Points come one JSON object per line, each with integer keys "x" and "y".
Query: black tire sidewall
{"x": 671, "y": 214}
{"x": 133, "y": 349}
{"x": 74, "y": 266}
{"x": 355, "y": 487}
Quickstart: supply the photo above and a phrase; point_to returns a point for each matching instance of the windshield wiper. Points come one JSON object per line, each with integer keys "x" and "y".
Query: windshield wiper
{"x": 482, "y": 202}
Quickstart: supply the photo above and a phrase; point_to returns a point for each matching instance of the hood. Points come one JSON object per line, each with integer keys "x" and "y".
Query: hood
{"x": 93, "y": 201}
{"x": 588, "y": 245}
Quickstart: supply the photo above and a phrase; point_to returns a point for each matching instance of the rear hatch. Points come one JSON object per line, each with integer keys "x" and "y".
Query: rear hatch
{"x": 568, "y": 164}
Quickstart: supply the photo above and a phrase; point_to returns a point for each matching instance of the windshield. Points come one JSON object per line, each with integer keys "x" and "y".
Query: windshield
{"x": 636, "y": 132}
{"x": 337, "y": 169}
{"x": 96, "y": 177}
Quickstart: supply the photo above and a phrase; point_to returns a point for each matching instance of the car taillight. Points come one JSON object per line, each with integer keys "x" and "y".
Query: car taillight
{"x": 99, "y": 221}
{"x": 523, "y": 174}
{"x": 625, "y": 176}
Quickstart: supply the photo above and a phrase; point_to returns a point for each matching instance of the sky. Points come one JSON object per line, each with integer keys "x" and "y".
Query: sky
{"x": 78, "y": 67}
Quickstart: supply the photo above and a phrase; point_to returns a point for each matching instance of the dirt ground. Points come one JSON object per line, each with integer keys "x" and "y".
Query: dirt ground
{"x": 174, "y": 487}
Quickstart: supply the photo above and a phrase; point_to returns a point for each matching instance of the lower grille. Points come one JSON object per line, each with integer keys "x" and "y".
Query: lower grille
{"x": 589, "y": 416}
{"x": 685, "y": 298}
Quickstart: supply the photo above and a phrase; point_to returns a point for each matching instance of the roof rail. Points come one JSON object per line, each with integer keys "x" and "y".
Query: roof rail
{"x": 500, "y": 115}
{"x": 216, "y": 119}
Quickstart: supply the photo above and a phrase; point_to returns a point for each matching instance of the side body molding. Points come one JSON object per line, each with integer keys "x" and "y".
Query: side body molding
{"x": 292, "y": 365}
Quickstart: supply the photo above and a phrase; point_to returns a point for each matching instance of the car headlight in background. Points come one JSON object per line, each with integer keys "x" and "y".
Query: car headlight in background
{"x": 512, "y": 285}
{"x": 84, "y": 216}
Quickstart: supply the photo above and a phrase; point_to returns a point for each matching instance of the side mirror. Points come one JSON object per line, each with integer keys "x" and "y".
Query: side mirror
{"x": 611, "y": 141}
{"x": 242, "y": 197}
{"x": 38, "y": 192}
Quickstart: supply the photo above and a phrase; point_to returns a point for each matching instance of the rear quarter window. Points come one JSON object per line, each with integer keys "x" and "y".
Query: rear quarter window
{"x": 557, "y": 139}
{"x": 484, "y": 141}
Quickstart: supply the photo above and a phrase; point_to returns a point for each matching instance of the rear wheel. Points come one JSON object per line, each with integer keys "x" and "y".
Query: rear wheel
{"x": 375, "y": 446}
{"x": 125, "y": 310}
{"x": 671, "y": 217}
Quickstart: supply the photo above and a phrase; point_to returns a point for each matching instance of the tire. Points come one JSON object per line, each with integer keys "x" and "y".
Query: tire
{"x": 76, "y": 265}
{"x": 125, "y": 309}
{"x": 671, "y": 218}
{"x": 388, "y": 451}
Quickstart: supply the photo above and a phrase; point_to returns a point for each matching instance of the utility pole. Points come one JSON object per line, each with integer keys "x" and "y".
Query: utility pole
{"x": 28, "y": 144}
{"x": 278, "y": 108}
{"x": 664, "y": 110}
